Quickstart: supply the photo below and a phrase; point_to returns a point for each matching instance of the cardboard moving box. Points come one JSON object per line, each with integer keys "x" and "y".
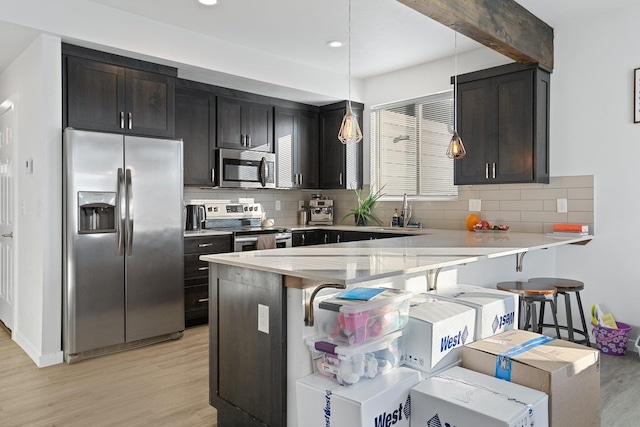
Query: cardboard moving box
{"x": 382, "y": 401}
{"x": 464, "y": 398}
{"x": 496, "y": 310}
{"x": 436, "y": 332}
{"x": 569, "y": 373}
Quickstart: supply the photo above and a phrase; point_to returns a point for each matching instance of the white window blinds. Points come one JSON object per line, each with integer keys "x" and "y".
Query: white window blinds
{"x": 409, "y": 142}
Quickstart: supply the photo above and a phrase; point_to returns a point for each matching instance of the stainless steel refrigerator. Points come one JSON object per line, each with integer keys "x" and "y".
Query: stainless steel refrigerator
{"x": 123, "y": 242}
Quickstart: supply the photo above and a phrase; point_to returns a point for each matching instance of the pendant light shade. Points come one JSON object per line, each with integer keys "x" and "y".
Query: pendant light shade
{"x": 349, "y": 132}
{"x": 456, "y": 149}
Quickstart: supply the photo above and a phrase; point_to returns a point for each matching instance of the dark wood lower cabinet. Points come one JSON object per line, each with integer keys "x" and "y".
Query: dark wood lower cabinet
{"x": 247, "y": 366}
{"x": 196, "y": 275}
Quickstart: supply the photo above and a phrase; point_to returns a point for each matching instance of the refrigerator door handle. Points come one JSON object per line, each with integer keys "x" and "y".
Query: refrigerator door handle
{"x": 129, "y": 219}
{"x": 122, "y": 202}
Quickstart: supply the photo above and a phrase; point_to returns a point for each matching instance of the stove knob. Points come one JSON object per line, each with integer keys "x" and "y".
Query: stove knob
{"x": 245, "y": 208}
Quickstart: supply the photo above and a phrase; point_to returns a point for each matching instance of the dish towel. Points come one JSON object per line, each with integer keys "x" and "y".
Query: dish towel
{"x": 266, "y": 241}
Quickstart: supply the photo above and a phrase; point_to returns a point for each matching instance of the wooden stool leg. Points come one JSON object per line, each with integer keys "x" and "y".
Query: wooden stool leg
{"x": 584, "y": 323}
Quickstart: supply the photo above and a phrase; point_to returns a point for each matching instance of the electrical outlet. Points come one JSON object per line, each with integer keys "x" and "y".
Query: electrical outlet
{"x": 278, "y": 205}
{"x": 263, "y": 318}
{"x": 561, "y": 205}
{"x": 475, "y": 205}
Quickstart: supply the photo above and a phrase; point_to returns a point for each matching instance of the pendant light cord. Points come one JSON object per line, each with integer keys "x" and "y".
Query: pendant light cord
{"x": 455, "y": 80}
{"x": 349, "y": 54}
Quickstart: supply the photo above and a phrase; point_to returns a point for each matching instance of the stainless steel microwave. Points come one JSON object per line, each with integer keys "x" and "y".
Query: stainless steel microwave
{"x": 244, "y": 169}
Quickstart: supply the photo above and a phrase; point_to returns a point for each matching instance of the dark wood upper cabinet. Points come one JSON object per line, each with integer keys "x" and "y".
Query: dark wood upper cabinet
{"x": 195, "y": 125}
{"x": 296, "y": 141}
{"x": 308, "y": 147}
{"x": 503, "y": 120}
{"x": 106, "y": 97}
{"x": 340, "y": 165}
{"x": 244, "y": 125}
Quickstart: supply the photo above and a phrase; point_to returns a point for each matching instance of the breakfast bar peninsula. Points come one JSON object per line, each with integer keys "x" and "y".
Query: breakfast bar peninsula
{"x": 261, "y": 304}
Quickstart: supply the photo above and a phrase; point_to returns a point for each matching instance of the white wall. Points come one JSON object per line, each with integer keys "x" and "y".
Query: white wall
{"x": 33, "y": 82}
{"x": 592, "y": 132}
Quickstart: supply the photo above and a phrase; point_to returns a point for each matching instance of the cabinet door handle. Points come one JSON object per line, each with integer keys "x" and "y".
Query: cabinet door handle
{"x": 249, "y": 140}
{"x": 493, "y": 171}
{"x": 300, "y": 183}
{"x": 121, "y": 119}
{"x": 340, "y": 178}
{"x": 130, "y": 117}
{"x": 338, "y": 238}
{"x": 204, "y": 245}
{"x": 304, "y": 238}
{"x": 213, "y": 175}
{"x": 203, "y": 268}
{"x": 203, "y": 300}
{"x": 326, "y": 238}
{"x": 486, "y": 171}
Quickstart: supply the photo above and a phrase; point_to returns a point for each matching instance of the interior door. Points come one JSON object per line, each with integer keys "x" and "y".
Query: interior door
{"x": 7, "y": 257}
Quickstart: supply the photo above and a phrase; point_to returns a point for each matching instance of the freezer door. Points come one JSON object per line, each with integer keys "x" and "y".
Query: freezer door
{"x": 154, "y": 248}
{"x": 93, "y": 272}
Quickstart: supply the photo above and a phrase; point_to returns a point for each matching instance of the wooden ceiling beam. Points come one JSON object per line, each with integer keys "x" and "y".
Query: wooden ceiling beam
{"x": 502, "y": 25}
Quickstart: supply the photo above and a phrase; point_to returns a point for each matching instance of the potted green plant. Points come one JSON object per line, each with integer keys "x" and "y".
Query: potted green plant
{"x": 363, "y": 211}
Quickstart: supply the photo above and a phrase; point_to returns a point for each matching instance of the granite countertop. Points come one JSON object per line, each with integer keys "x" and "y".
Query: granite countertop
{"x": 354, "y": 262}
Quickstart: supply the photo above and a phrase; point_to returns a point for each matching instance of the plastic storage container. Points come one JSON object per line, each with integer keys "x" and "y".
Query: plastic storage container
{"x": 348, "y": 364}
{"x": 358, "y": 321}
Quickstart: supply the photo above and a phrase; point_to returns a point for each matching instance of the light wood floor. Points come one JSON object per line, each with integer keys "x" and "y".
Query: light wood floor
{"x": 167, "y": 385}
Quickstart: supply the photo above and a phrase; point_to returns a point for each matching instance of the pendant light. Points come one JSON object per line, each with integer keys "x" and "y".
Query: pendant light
{"x": 456, "y": 148}
{"x": 349, "y": 129}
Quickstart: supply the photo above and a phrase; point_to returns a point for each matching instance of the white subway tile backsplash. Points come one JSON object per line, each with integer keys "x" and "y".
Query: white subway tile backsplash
{"x": 522, "y": 205}
{"x": 546, "y": 193}
{"x": 580, "y": 193}
{"x": 580, "y": 205}
{"x": 581, "y": 218}
{"x": 499, "y": 194}
{"x": 529, "y": 208}
{"x": 543, "y": 216}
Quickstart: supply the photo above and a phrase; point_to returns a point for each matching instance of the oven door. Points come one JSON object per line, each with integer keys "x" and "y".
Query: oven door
{"x": 249, "y": 242}
{"x": 245, "y": 169}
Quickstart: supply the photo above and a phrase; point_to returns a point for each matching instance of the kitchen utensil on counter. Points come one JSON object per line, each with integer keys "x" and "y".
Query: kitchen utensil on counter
{"x": 321, "y": 212}
{"x": 303, "y": 217}
{"x": 267, "y": 222}
{"x": 195, "y": 217}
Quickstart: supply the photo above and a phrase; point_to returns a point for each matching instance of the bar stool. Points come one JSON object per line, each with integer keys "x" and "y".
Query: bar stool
{"x": 531, "y": 293}
{"x": 566, "y": 287}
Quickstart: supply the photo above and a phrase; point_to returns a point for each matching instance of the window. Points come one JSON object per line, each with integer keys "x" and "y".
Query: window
{"x": 409, "y": 140}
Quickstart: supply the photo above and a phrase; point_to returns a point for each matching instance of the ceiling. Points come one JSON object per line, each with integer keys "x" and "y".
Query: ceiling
{"x": 299, "y": 29}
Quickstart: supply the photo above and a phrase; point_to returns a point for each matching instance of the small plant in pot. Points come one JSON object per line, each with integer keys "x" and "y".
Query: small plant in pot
{"x": 363, "y": 211}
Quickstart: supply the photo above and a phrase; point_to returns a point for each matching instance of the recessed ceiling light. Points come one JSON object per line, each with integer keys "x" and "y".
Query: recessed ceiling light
{"x": 334, "y": 43}
{"x": 208, "y": 2}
